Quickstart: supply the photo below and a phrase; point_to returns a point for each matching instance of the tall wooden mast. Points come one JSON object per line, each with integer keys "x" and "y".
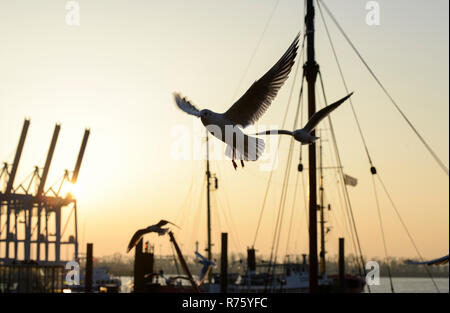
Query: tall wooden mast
{"x": 311, "y": 69}
{"x": 208, "y": 204}
{"x": 322, "y": 214}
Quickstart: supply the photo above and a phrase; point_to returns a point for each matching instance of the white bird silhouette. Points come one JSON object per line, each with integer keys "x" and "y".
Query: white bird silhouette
{"x": 246, "y": 111}
{"x": 207, "y": 265}
{"x": 157, "y": 228}
{"x": 304, "y": 135}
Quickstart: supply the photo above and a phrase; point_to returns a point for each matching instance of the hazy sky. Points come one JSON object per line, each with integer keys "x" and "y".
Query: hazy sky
{"x": 116, "y": 71}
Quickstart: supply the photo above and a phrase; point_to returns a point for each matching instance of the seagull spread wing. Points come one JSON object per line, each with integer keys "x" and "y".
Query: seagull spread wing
{"x": 440, "y": 261}
{"x": 161, "y": 223}
{"x": 201, "y": 257}
{"x": 320, "y": 115}
{"x": 254, "y": 103}
{"x": 275, "y": 132}
{"x": 136, "y": 237}
{"x": 207, "y": 265}
{"x": 185, "y": 105}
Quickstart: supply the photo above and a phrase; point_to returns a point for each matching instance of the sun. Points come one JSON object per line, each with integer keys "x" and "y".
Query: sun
{"x": 70, "y": 190}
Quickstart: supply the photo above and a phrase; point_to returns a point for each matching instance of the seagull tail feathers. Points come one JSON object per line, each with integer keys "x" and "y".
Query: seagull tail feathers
{"x": 274, "y": 132}
{"x": 248, "y": 150}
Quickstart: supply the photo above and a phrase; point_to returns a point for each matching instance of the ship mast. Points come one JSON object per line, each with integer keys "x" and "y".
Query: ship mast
{"x": 311, "y": 69}
{"x": 322, "y": 218}
{"x": 208, "y": 204}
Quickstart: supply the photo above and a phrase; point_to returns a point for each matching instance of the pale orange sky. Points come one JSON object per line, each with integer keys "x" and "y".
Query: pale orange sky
{"x": 115, "y": 73}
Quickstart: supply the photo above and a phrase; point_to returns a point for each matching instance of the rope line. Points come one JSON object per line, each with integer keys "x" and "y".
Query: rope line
{"x": 407, "y": 231}
{"x": 382, "y": 233}
{"x": 279, "y": 143}
{"x": 372, "y": 73}
{"x": 346, "y": 193}
{"x": 362, "y": 136}
{"x": 255, "y": 50}
{"x": 277, "y": 233}
{"x": 341, "y": 73}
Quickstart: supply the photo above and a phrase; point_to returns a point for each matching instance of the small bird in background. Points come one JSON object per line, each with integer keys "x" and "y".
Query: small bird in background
{"x": 157, "y": 228}
{"x": 246, "y": 111}
{"x": 304, "y": 135}
{"x": 207, "y": 265}
{"x": 440, "y": 261}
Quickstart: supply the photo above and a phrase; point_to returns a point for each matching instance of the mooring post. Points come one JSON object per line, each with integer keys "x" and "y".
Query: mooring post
{"x": 251, "y": 260}
{"x": 224, "y": 264}
{"x": 138, "y": 270}
{"x": 89, "y": 268}
{"x": 341, "y": 265}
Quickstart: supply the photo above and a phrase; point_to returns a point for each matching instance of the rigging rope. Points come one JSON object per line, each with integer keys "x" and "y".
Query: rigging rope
{"x": 279, "y": 223}
{"x": 255, "y": 50}
{"x": 228, "y": 207}
{"x": 221, "y": 209}
{"x": 344, "y": 186}
{"x": 346, "y": 218}
{"x": 216, "y": 217}
{"x": 341, "y": 73}
{"x": 414, "y": 129}
{"x": 185, "y": 203}
{"x": 291, "y": 145}
{"x": 292, "y": 213}
{"x": 382, "y": 233}
{"x": 407, "y": 231}
{"x": 373, "y": 169}
{"x": 198, "y": 214}
{"x": 277, "y": 233}
{"x": 300, "y": 169}
{"x": 345, "y": 224}
{"x": 279, "y": 143}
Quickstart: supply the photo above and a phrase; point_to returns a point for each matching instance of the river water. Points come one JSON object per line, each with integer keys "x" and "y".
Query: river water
{"x": 401, "y": 285}
{"x": 411, "y": 285}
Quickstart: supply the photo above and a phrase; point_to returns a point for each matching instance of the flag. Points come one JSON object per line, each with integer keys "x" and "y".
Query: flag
{"x": 350, "y": 181}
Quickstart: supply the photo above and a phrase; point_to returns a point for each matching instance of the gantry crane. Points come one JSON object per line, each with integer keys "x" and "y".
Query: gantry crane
{"x": 40, "y": 212}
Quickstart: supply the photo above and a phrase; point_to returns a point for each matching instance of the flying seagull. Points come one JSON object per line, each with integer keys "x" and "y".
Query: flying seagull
{"x": 246, "y": 111}
{"x": 440, "y": 261}
{"x": 304, "y": 135}
{"x": 207, "y": 265}
{"x": 157, "y": 228}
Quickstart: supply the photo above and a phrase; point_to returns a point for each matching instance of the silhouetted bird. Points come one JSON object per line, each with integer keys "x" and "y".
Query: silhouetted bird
{"x": 207, "y": 264}
{"x": 304, "y": 135}
{"x": 246, "y": 111}
{"x": 440, "y": 261}
{"x": 157, "y": 228}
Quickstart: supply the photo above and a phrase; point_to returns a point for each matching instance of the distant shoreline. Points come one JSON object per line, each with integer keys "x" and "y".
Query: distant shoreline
{"x": 418, "y": 276}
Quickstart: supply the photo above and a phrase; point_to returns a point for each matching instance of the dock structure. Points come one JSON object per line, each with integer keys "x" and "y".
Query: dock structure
{"x": 32, "y": 229}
